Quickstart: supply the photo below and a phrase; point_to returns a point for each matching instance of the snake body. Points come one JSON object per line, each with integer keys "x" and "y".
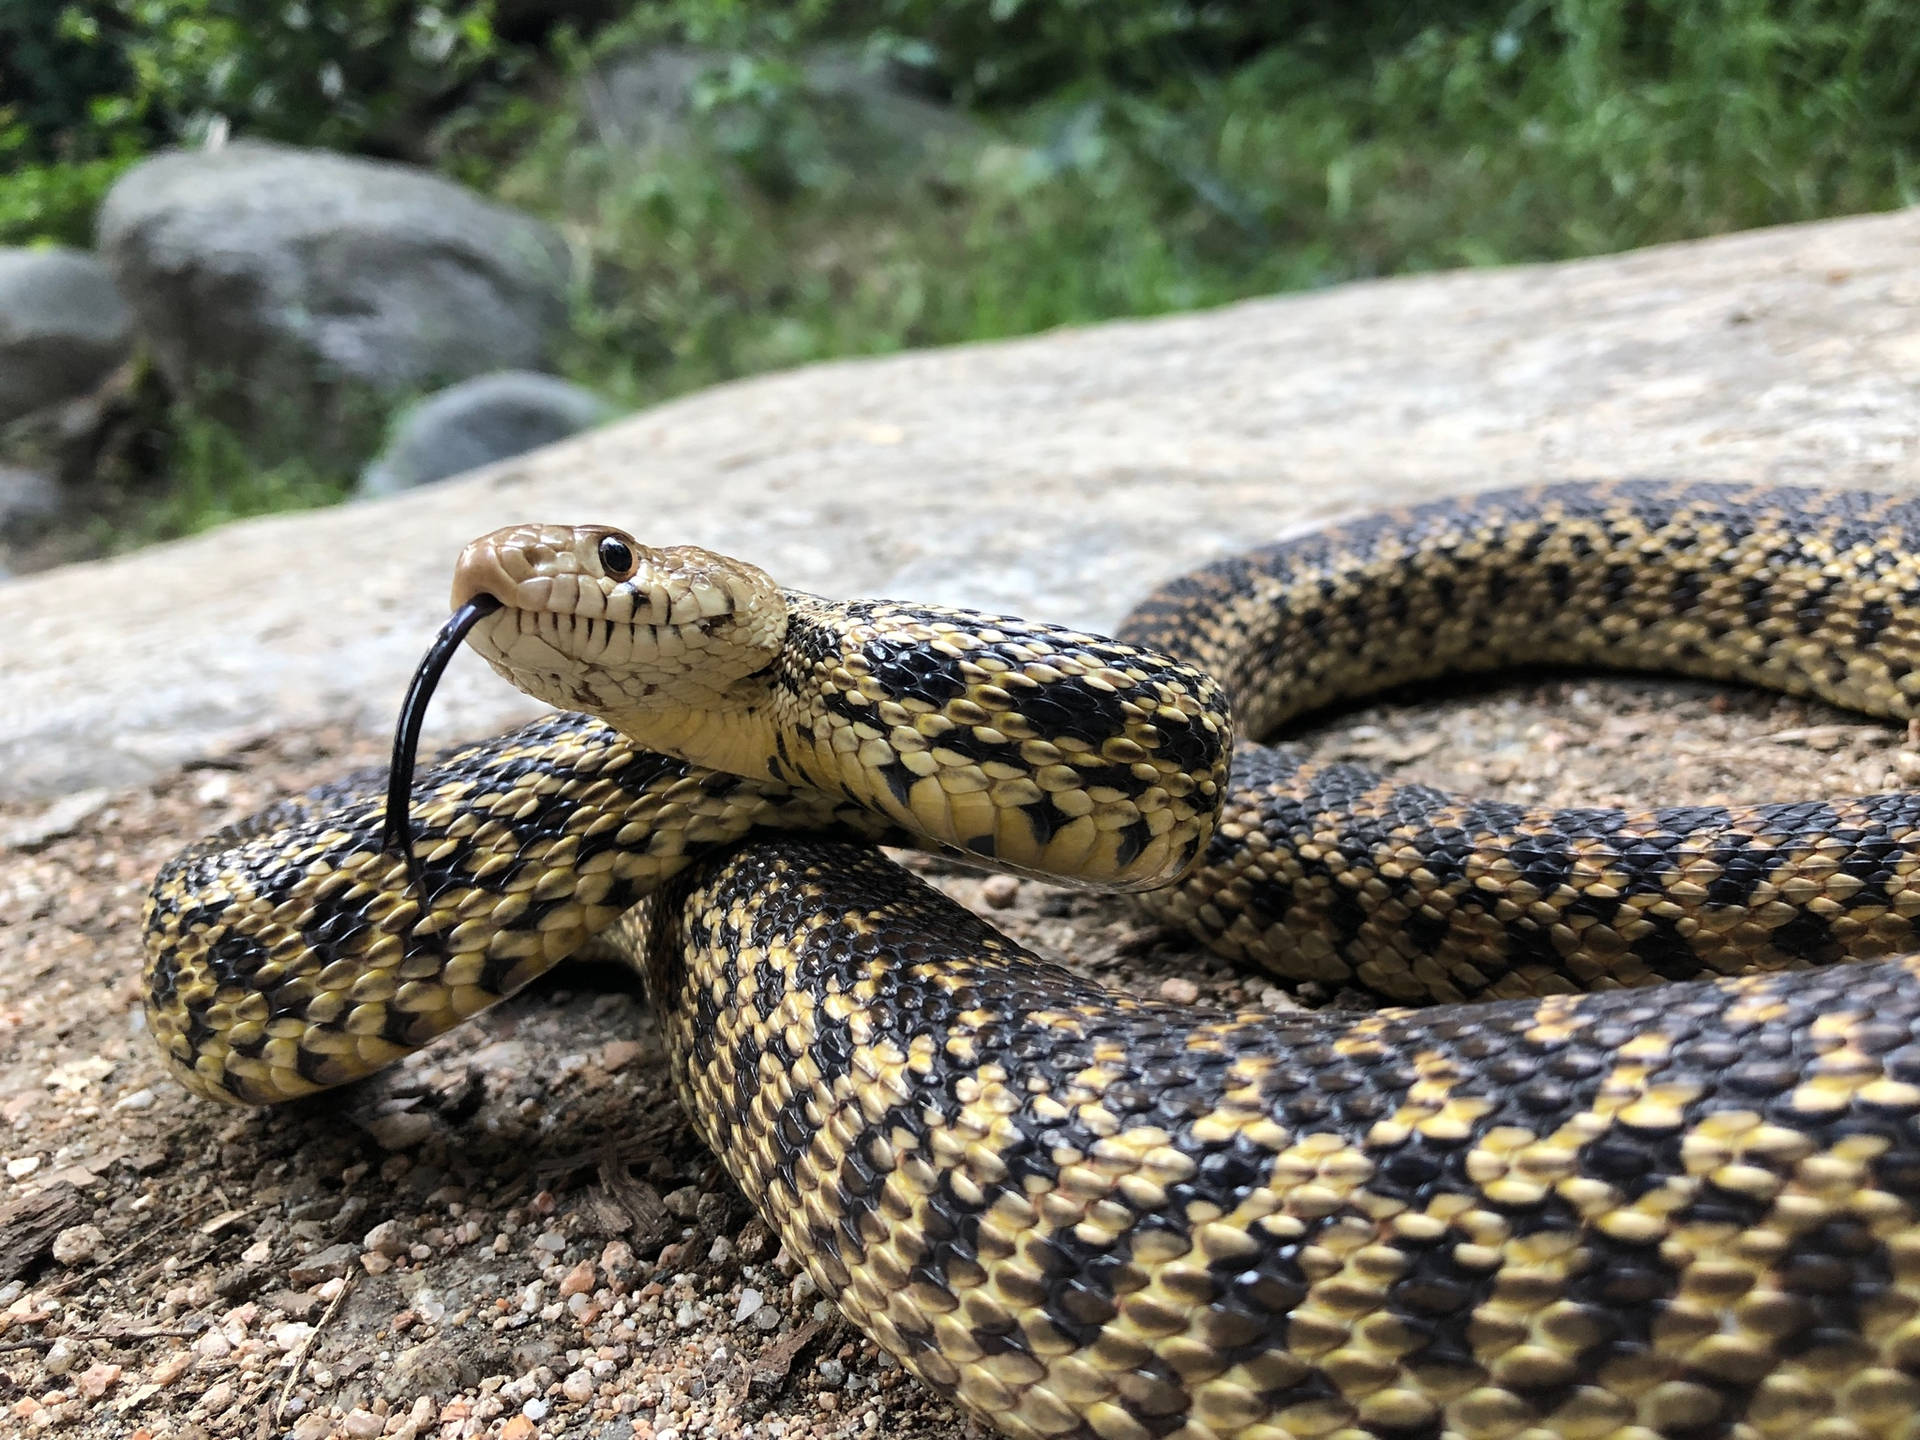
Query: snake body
{"x": 1684, "y": 1211}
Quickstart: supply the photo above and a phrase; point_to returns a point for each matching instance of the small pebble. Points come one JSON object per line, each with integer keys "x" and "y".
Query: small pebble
{"x": 721, "y": 1251}
{"x": 552, "y": 1242}
{"x": 618, "y": 1054}
{"x": 832, "y": 1372}
{"x": 136, "y": 1100}
{"x": 680, "y": 1203}
{"x": 577, "y": 1387}
{"x": 218, "y": 1396}
{"x": 23, "y": 1166}
{"x": 518, "y": 1428}
{"x": 327, "y": 1264}
{"x": 213, "y": 1346}
{"x": 171, "y": 1368}
{"x": 578, "y": 1281}
{"x": 767, "y": 1317}
{"x": 686, "y": 1317}
{"x": 400, "y": 1132}
{"x": 387, "y": 1238}
{"x": 97, "y": 1379}
{"x": 77, "y": 1243}
{"x": 59, "y": 1358}
{"x": 1179, "y": 990}
{"x": 363, "y": 1424}
{"x": 1000, "y": 891}
{"x": 750, "y": 1303}
{"x": 535, "y": 1410}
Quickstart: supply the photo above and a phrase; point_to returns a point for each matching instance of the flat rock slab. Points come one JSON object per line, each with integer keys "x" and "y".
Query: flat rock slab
{"x": 1059, "y": 476}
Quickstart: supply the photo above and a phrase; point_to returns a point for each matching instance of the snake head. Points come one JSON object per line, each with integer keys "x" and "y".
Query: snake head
{"x": 590, "y": 619}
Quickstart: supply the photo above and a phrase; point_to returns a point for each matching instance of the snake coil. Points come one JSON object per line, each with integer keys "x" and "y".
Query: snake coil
{"x": 1685, "y": 1211}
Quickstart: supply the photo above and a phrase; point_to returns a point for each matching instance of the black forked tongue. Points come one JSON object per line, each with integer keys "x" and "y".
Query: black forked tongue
{"x": 396, "y": 833}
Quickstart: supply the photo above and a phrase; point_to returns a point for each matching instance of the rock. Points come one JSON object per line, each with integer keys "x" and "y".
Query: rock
{"x": 400, "y": 1131}
{"x": 240, "y": 1281}
{"x": 891, "y": 120}
{"x": 433, "y": 1369}
{"x": 479, "y": 421}
{"x": 295, "y": 1304}
{"x": 388, "y": 1238}
{"x": 1000, "y": 891}
{"x": 1179, "y": 990}
{"x": 77, "y": 1244}
{"x": 54, "y": 822}
{"x": 616, "y": 1055}
{"x": 63, "y": 328}
{"x": 644, "y": 99}
{"x": 327, "y": 1264}
{"x": 648, "y": 100}
{"x": 1057, "y": 476}
{"x": 294, "y": 289}
{"x": 29, "y": 501}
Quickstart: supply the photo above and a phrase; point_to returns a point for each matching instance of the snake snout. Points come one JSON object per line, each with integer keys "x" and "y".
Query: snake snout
{"x": 516, "y": 564}
{"x": 593, "y": 620}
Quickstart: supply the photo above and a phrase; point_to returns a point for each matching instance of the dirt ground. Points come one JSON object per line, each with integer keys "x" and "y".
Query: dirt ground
{"x": 514, "y": 1233}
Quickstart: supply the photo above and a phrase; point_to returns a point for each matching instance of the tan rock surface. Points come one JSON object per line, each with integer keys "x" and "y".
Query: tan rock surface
{"x": 1058, "y": 475}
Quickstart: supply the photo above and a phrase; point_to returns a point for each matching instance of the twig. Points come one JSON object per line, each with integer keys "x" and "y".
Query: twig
{"x": 88, "y": 1337}
{"x": 159, "y": 1227}
{"x": 271, "y": 1418}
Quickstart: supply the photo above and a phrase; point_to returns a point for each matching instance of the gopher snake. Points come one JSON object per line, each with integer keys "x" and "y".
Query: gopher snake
{"x": 1686, "y": 1211}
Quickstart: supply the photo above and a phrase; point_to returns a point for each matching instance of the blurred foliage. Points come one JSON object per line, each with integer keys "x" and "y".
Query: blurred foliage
{"x": 995, "y": 166}
{"x": 1193, "y": 155}
{"x": 86, "y": 86}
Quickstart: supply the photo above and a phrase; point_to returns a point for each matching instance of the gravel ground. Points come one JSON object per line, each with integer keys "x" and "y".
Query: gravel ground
{"x": 514, "y": 1232}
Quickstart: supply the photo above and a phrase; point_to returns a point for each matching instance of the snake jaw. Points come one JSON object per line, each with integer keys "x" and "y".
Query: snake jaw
{"x": 658, "y": 641}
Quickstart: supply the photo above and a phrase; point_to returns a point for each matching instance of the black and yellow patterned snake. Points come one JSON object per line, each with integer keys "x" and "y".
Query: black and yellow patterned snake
{"x": 1688, "y": 1211}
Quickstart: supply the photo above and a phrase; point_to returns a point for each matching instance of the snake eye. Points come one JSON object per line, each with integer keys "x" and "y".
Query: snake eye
{"x": 616, "y": 558}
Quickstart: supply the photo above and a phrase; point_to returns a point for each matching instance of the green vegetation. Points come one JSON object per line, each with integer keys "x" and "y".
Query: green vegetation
{"x": 1095, "y": 160}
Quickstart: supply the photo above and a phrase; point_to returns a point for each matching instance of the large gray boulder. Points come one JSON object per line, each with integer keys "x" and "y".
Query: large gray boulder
{"x": 63, "y": 327}
{"x": 1058, "y": 476}
{"x": 479, "y": 421}
{"x": 295, "y": 289}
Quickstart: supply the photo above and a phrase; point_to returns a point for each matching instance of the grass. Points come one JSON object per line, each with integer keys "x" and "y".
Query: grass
{"x": 1541, "y": 130}
{"x": 217, "y": 477}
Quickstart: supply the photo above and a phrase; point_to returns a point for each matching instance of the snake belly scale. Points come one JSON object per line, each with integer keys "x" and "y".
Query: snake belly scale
{"x": 1685, "y": 1211}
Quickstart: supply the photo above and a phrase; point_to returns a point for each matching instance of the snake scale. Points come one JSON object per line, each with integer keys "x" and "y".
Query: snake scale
{"x": 1686, "y": 1211}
